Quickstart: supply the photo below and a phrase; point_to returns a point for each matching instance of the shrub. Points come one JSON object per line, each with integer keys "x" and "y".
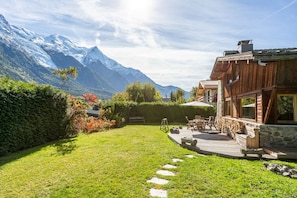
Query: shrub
{"x": 78, "y": 120}
{"x": 154, "y": 112}
{"x": 94, "y": 125}
{"x": 30, "y": 115}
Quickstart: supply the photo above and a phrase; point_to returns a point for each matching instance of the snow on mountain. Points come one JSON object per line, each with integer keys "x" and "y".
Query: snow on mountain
{"x": 20, "y": 39}
{"x": 65, "y": 45}
{"x": 34, "y": 44}
{"x": 42, "y": 49}
{"x": 94, "y": 55}
{"x": 4, "y": 26}
{"x": 24, "y": 33}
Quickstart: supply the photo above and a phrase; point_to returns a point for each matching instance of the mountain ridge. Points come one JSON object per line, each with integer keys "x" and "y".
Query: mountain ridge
{"x": 29, "y": 56}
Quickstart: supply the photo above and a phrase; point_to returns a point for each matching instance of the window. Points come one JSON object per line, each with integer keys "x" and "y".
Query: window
{"x": 228, "y": 108}
{"x": 215, "y": 97}
{"x": 208, "y": 95}
{"x": 229, "y": 78}
{"x": 236, "y": 72}
{"x": 287, "y": 108}
{"x": 248, "y": 107}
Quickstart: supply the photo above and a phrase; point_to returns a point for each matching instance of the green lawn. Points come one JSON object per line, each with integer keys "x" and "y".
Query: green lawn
{"x": 118, "y": 163}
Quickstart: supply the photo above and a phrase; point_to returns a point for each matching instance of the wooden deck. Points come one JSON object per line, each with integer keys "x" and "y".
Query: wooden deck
{"x": 211, "y": 142}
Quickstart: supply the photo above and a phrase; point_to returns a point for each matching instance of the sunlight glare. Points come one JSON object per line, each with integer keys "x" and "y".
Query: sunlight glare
{"x": 137, "y": 10}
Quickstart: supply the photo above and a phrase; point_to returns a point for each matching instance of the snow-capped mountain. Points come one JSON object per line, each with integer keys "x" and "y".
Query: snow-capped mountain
{"x": 62, "y": 44}
{"x": 20, "y": 38}
{"x": 28, "y": 56}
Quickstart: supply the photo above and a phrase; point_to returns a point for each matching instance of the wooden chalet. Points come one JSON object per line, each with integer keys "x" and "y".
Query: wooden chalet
{"x": 207, "y": 91}
{"x": 257, "y": 95}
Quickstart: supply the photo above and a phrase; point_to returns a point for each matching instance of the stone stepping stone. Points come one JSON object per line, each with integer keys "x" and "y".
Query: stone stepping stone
{"x": 177, "y": 160}
{"x": 190, "y": 156}
{"x": 158, "y": 193}
{"x": 169, "y": 166}
{"x": 165, "y": 173}
{"x": 156, "y": 180}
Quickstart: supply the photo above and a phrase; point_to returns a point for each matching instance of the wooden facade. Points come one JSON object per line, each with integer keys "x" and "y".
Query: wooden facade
{"x": 257, "y": 96}
{"x": 258, "y": 77}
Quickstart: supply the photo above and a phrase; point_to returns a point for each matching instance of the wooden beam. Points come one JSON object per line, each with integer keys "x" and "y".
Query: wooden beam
{"x": 269, "y": 106}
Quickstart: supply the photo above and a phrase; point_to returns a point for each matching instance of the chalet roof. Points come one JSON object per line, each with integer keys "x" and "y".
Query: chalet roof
{"x": 206, "y": 84}
{"x": 222, "y": 63}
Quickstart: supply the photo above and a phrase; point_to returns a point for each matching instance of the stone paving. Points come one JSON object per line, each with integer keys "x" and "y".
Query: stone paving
{"x": 166, "y": 173}
{"x": 169, "y": 166}
{"x": 213, "y": 142}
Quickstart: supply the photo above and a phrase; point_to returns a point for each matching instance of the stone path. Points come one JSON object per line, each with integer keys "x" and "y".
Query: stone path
{"x": 165, "y": 173}
{"x": 155, "y": 180}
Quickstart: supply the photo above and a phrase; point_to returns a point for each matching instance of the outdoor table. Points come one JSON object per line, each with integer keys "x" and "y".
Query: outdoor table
{"x": 200, "y": 123}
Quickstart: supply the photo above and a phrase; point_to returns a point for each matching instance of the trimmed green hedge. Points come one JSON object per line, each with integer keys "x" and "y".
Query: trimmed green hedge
{"x": 30, "y": 115}
{"x": 155, "y": 112}
{"x": 175, "y": 113}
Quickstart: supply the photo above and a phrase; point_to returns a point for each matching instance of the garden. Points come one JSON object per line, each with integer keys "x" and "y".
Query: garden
{"x": 50, "y": 147}
{"x": 118, "y": 163}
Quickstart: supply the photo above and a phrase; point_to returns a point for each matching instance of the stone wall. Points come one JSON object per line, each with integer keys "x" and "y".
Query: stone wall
{"x": 273, "y": 136}
{"x": 282, "y": 136}
{"x": 244, "y": 132}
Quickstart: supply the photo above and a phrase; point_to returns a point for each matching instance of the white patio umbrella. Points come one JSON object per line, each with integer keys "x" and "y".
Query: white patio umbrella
{"x": 249, "y": 105}
{"x": 197, "y": 103}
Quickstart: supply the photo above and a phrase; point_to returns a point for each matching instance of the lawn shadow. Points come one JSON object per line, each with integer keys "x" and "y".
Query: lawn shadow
{"x": 10, "y": 157}
{"x": 65, "y": 146}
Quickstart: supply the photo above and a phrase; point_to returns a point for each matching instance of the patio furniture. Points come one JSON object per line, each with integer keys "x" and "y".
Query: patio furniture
{"x": 174, "y": 130}
{"x": 198, "y": 117}
{"x": 185, "y": 140}
{"x": 164, "y": 125}
{"x": 212, "y": 122}
{"x": 200, "y": 124}
{"x": 258, "y": 151}
{"x": 190, "y": 123}
{"x": 136, "y": 119}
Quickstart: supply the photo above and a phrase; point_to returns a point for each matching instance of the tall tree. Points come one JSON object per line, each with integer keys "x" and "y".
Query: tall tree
{"x": 146, "y": 92}
{"x": 134, "y": 92}
{"x": 65, "y": 73}
{"x": 149, "y": 92}
{"x": 193, "y": 93}
{"x": 178, "y": 96}
{"x": 120, "y": 97}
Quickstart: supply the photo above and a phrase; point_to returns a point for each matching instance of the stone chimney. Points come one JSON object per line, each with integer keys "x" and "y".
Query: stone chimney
{"x": 245, "y": 46}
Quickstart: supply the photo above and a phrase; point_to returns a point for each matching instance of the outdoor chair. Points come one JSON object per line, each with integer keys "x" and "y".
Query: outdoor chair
{"x": 211, "y": 122}
{"x": 200, "y": 124}
{"x": 190, "y": 123}
{"x": 198, "y": 117}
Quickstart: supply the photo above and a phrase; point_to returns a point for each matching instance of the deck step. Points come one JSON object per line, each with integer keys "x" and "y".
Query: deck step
{"x": 281, "y": 153}
{"x": 241, "y": 140}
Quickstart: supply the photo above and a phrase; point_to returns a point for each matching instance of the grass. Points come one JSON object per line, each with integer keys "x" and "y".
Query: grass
{"x": 117, "y": 163}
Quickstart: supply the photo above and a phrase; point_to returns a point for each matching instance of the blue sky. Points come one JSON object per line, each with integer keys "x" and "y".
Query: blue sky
{"x": 174, "y": 42}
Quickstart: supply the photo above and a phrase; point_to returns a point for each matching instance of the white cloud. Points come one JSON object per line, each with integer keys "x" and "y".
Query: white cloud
{"x": 177, "y": 67}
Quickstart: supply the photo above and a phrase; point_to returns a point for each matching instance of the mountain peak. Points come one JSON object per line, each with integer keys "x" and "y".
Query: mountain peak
{"x": 24, "y": 33}
{"x": 65, "y": 45}
{"x": 4, "y": 25}
{"x": 2, "y": 19}
{"x": 57, "y": 39}
{"x": 98, "y": 73}
{"x": 93, "y": 55}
